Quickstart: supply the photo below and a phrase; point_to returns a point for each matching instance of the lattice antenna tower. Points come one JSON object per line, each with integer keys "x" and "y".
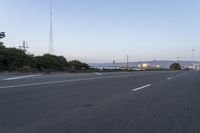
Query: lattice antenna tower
{"x": 51, "y": 49}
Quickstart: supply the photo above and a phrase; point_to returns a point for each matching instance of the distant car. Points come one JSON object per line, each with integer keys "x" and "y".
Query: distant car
{"x": 187, "y": 69}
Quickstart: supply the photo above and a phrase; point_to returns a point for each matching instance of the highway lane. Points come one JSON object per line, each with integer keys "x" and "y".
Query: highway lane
{"x": 162, "y": 102}
{"x": 12, "y": 80}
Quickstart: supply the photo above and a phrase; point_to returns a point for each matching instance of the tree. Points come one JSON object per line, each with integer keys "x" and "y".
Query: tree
{"x": 2, "y": 35}
{"x": 1, "y": 45}
{"x": 175, "y": 66}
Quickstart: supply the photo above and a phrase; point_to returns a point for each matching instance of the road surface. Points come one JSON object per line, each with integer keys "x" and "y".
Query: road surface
{"x": 139, "y": 102}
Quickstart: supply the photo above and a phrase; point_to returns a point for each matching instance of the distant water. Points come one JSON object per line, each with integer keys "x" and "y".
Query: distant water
{"x": 163, "y": 64}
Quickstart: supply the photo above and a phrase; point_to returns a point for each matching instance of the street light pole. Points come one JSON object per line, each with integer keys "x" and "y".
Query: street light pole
{"x": 127, "y": 65}
{"x": 193, "y": 50}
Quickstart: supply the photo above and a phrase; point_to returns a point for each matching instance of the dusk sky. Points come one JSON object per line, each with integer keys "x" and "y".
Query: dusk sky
{"x": 105, "y": 30}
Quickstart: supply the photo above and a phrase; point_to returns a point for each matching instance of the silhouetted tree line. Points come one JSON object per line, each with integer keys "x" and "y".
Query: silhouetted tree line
{"x": 13, "y": 59}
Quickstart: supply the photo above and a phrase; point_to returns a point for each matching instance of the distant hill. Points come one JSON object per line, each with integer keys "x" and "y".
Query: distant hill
{"x": 162, "y": 63}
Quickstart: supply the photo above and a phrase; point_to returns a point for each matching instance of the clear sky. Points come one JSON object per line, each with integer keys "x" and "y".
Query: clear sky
{"x": 105, "y": 30}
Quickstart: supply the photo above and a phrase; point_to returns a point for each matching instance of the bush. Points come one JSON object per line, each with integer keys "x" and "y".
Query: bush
{"x": 50, "y": 62}
{"x": 14, "y": 59}
{"x": 77, "y": 65}
{"x": 175, "y": 66}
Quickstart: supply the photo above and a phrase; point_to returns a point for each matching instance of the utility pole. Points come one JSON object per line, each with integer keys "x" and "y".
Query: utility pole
{"x": 127, "y": 63}
{"x": 51, "y": 49}
{"x": 124, "y": 61}
{"x": 114, "y": 66}
{"x": 178, "y": 59}
{"x": 24, "y": 46}
{"x": 194, "y": 66}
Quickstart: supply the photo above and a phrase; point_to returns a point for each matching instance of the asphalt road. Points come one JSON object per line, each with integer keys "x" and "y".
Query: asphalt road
{"x": 140, "y": 102}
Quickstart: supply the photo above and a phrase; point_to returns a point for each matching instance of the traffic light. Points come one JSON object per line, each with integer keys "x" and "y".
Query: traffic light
{"x": 2, "y": 35}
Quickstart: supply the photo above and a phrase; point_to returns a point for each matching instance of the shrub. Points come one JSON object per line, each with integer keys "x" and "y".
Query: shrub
{"x": 52, "y": 62}
{"x": 13, "y": 59}
{"x": 77, "y": 65}
{"x": 175, "y": 66}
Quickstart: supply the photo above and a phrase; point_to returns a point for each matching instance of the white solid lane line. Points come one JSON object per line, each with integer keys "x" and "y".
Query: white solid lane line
{"x": 62, "y": 81}
{"x": 142, "y": 87}
{"x": 21, "y": 77}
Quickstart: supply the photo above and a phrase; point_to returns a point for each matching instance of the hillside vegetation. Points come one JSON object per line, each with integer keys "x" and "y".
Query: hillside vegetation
{"x": 13, "y": 59}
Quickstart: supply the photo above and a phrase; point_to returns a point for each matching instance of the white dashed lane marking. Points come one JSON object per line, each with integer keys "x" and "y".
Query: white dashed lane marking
{"x": 142, "y": 87}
